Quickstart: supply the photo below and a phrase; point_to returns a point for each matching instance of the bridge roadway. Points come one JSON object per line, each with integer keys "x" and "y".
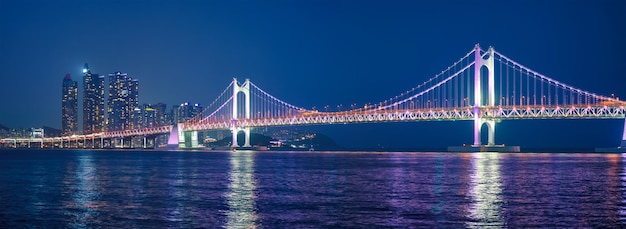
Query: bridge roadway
{"x": 97, "y": 139}
{"x": 615, "y": 111}
{"x": 405, "y": 115}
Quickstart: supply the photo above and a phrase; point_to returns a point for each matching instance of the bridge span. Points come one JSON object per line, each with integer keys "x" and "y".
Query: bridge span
{"x": 483, "y": 86}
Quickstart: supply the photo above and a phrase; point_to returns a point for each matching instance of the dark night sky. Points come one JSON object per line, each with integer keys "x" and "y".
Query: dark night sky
{"x": 311, "y": 53}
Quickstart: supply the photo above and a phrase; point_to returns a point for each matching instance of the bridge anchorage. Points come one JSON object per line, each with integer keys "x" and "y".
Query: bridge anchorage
{"x": 486, "y": 88}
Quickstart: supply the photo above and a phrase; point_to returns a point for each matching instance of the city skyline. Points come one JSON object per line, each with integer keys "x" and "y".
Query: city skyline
{"x": 298, "y": 51}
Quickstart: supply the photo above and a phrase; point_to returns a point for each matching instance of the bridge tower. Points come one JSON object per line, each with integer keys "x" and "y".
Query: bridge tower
{"x": 245, "y": 89}
{"x": 479, "y": 92}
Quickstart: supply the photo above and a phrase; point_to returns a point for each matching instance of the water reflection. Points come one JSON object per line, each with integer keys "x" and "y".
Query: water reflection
{"x": 614, "y": 180}
{"x": 622, "y": 176}
{"x": 85, "y": 194}
{"x": 438, "y": 186}
{"x": 402, "y": 187}
{"x": 177, "y": 192}
{"x": 38, "y": 189}
{"x": 240, "y": 196}
{"x": 486, "y": 192}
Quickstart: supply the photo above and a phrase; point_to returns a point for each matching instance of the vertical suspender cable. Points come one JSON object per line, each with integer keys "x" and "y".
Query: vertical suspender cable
{"x": 534, "y": 90}
{"x": 542, "y": 92}
{"x": 462, "y": 95}
{"x": 500, "y": 91}
{"x": 468, "y": 76}
{"x": 549, "y": 95}
{"x": 456, "y": 81}
{"x": 520, "y": 88}
{"x": 527, "y": 88}
{"x": 507, "y": 84}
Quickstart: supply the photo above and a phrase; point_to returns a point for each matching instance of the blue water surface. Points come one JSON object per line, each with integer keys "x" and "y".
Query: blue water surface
{"x": 245, "y": 189}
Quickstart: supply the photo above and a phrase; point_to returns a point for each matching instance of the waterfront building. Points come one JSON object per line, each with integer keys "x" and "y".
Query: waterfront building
{"x": 93, "y": 102}
{"x": 150, "y": 115}
{"x": 185, "y": 112}
{"x": 69, "y": 106}
{"x": 122, "y": 101}
{"x": 161, "y": 115}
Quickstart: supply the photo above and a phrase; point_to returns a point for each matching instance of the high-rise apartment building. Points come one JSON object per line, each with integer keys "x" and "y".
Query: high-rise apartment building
{"x": 185, "y": 112}
{"x": 93, "y": 102}
{"x": 161, "y": 115}
{"x": 150, "y": 115}
{"x": 122, "y": 101}
{"x": 69, "y": 106}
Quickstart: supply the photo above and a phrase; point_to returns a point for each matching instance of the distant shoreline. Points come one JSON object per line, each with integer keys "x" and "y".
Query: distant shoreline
{"x": 338, "y": 150}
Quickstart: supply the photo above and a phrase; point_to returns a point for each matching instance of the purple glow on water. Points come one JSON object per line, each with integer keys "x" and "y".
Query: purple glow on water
{"x": 51, "y": 188}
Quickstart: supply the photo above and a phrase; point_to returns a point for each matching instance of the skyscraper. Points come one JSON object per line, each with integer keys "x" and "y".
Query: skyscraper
{"x": 185, "y": 112}
{"x": 151, "y": 115}
{"x": 160, "y": 114}
{"x": 145, "y": 116}
{"x": 93, "y": 102}
{"x": 122, "y": 101}
{"x": 69, "y": 106}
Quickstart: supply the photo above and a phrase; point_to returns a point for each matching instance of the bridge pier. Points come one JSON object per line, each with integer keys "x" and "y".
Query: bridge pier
{"x": 186, "y": 139}
{"x": 173, "y": 141}
{"x": 235, "y": 132}
{"x": 246, "y": 132}
{"x": 491, "y": 128}
{"x": 191, "y": 139}
{"x": 130, "y": 142}
{"x": 235, "y": 142}
{"x": 147, "y": 139}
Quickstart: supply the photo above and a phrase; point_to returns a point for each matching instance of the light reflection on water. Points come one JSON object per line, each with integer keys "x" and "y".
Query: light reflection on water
{"x": 84, "y": 206}
{"x": 175, "y": 212}
{"x": 122, "y": 189}
{"x": 486, "y": 190}
{"x": 622, "y": 187}
{"x": 240, "y": 196}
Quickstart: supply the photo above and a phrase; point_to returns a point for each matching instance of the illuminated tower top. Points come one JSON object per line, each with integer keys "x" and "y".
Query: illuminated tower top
{"x": 86, "y": 69}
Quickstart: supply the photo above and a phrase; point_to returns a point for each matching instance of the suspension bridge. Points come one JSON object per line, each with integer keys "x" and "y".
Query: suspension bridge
{"x": 482, "y": 86}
